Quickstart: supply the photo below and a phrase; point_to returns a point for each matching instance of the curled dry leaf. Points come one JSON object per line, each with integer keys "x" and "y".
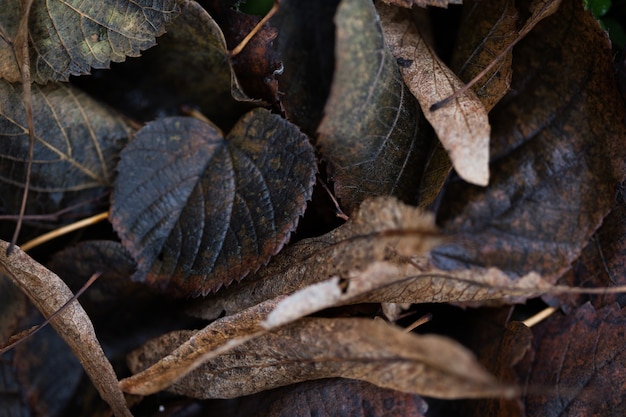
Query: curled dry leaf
{"x": 48, "y": 293}
{"x": 71, "y": 37}
{"x": 371, "y": 134}
{"x": 211, "y": 209}
{"x": 321, "y": 348}
{"x": 462, "y": 126}
{"x": 380, "y": 224}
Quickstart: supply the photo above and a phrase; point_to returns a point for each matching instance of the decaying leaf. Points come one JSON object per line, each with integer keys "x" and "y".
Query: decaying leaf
{"x": 422, "y": 3}
{"x": 581, "y": 356}
{"x": 325, "y": 398}
{"x": 487, "y": 29}
{"x": 370, "y": 134}
{"x": 463, "y": 126}
{"x": 197, "y": 211}
{"x": 76, "y": 144}
{"x": 557, "y": 156}
{"x": 380, "y": 224}
{"x": 320, "y": 348}
{"x": 70, "y": 37}
{"x": 48, "y": 293}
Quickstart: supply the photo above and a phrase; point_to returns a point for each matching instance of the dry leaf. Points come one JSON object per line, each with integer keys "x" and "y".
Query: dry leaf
{"x": 380, "y": 224}
{"x": 321, "y": 348}
{"x": 49, "y": 294}
{"x": 422, "y": 3}
{"x": 462, "y": 126}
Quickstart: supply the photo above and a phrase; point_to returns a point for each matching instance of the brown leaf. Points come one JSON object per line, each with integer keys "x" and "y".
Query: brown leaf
{"x": 48, "y": 293}
{"x": 366, "y": 238}
{"x": 371, "y": 134}
{"x": 576, "y": 365}
{"x": 422, "y": 3}
{"x": 487, "y": 29}
{"x": 320, "y": 348}
{"x": 463, "y": 126}
{"x": 325, "y": 398}
{"x": 550, "y": 186}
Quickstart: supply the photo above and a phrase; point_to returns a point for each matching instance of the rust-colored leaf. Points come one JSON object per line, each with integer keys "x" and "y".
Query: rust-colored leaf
{"x": 320, "y": 348}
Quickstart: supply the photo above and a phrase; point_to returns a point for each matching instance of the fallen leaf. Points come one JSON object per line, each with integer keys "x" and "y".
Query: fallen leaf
{"x": 325, "y": 398}
{"x": 370, "y": 134}
{"x": 576, "y": 365}
{"x": 487, "y": 29}
{"x": 369, "y": 236}
{"x": 76, "y": 145}
{"x": 305, "y": 45}
{"x": 48, "y": 293}
{"x": 320, "y": 348}
{"x": 241, "y": 196}
{"x": 550, "y": 185}
{"x": 422, "y": 3}
{"x": 463, "y": 126}
{"x": 257, "y": 65}
{"x": 71, "y": 37}
{"x": 601, "y": 265}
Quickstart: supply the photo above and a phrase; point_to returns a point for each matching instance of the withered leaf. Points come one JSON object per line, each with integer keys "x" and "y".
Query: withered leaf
{"x": 70, "y": 37}
{"x": 370, "y": 134}
{"x": 77, "y": 141}
{"x": 462, "y": 126}
{"x": 487, "y": 29}
{"x": 364, "y": 239}
{"x": 576, "y": 364}
{"x": 557, "y": 155}
{"x": 320, "y": 348}
{"x": 326, "y": 398}
{"x": 48, "y": 293}
{"x": 197, "y": 211}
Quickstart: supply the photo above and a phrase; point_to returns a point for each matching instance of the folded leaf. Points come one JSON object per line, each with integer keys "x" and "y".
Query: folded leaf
{"x": 321, "y": 348}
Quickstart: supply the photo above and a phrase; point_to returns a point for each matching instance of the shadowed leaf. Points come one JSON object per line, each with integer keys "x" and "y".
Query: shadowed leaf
{"x": 321, "y": 348}
{"x": 557, "y": 155}
{"x": 69, "y": 37}
{"x": 198, "y": 211}
{"x": 581, "y": 358}
{"x": 370, "y": 134}
{"x": 76, "y": 145}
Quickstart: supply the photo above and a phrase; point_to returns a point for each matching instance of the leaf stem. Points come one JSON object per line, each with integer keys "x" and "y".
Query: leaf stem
{"x": 64, "y": 230}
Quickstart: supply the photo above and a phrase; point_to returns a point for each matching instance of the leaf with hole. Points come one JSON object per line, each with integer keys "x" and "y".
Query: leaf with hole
{"x": 198, "y": 211}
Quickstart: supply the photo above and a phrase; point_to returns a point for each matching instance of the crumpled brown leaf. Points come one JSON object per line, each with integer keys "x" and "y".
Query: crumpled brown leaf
{"x": 320, "y": 348}
{"x": 462, "y": 126}
{"x": 48, "y": 293}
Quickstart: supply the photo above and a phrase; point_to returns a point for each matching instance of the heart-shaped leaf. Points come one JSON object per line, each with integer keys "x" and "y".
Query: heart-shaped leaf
{"x": 198, "y": 211}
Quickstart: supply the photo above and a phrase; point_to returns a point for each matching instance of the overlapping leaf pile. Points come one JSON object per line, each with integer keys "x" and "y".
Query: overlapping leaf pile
{"x": 484, "y": 196}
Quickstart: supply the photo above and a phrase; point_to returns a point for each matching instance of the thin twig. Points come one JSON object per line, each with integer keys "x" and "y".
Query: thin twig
{"x": 255, "y": 30}
{"x": 64, "y": 230}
